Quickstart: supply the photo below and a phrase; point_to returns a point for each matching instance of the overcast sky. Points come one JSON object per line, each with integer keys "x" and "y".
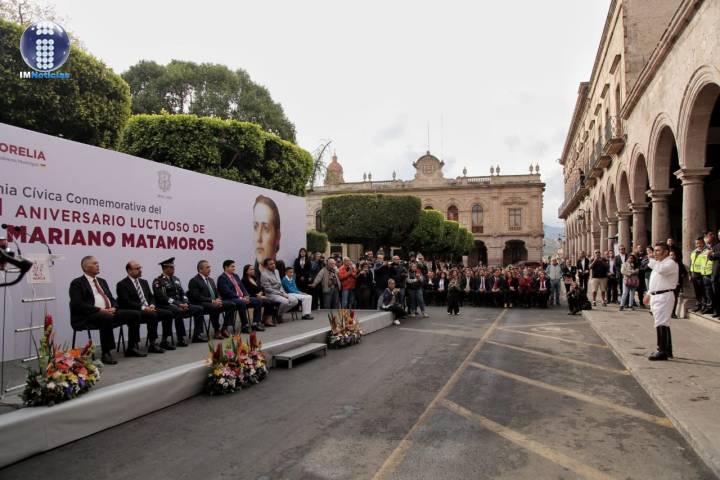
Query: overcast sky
{"x": 371, "y": 75}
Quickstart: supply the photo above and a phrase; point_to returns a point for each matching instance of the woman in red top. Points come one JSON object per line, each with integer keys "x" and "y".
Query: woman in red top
{"x": 347, "y": 275}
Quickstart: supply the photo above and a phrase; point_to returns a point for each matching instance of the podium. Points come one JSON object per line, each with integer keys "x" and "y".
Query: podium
{"x": 39, "y": 274}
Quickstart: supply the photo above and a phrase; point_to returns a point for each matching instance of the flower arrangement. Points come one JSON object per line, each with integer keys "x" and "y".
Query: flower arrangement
{"x": 61, "y": 373}
{"x": 234, "y": 365}
{"x": 344, "y": 329}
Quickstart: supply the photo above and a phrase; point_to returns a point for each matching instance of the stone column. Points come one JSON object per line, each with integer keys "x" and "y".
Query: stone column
{"x": 603, "y": 235}
{"x": 694, "y": 221}
{"x": 595, "y": 240}
{"x": 624, "y": 229}
{"x": 639, "y": 232}
{"x": 612, "y": 232}
{"x": 660, "y": 199}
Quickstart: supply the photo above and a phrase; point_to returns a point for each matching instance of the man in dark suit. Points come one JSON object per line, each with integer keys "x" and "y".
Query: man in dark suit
{"x": 231, "y": 289}
{"x": 203, "y": 292}
{"x": 134, "y": 294}
{"x": 170, "y": 295}
{"x": 93, "y": 306}
{"x": 583, "y": 271}
{"x": 497, "y": 288}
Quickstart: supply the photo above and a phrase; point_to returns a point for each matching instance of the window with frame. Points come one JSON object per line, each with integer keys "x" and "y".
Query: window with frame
{"x": 318, "y": 221}
{"x": 477, "y": 218}
{"x": 515, "y": 218}
{"x": 452, "y": 213}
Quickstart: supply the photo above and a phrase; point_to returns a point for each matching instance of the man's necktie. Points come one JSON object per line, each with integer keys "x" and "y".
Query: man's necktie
{"x": 238, "y": 290}
{"x": 140, "y": 293}
{"x": 210, "y": 289}
{"x": 102, "y": 293}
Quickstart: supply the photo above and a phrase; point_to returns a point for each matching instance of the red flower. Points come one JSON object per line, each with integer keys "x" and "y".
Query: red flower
{"x": 48, "y": 320}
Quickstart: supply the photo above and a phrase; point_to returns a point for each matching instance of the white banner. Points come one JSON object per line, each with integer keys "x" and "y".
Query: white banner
{"x": 74, "y": 199}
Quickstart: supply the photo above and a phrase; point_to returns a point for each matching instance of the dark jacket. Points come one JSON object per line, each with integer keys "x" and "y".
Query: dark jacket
{"x": 583, "y": 266}
{"x": 82, "y": 298}
{"x": 382, "y": 274}
{"x": 303, "y": 274}
{"x": 127, "y": 296}
{"x": 198, "y": 291}
{"x": 227, "y": 289}
{"x": 252, "y": 288}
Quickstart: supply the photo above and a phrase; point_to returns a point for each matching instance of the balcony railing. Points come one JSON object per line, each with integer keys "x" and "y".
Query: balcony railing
{"x": 573, "y": 197}
{"x": 614, "y": 136}
{"x": 477, "y": 229}
{"x": 478, "y": 179}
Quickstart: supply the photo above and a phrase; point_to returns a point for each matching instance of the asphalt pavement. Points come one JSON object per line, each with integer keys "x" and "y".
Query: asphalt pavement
{"x": 488, "y": 394}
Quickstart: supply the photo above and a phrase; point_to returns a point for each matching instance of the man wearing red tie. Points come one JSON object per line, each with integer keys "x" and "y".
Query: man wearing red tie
{"x": 232, "y": 290}
{"x": 92, "y": 306}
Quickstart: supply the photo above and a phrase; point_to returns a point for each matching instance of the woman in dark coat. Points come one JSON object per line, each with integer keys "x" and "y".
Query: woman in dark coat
{"x": 302, "y": 267}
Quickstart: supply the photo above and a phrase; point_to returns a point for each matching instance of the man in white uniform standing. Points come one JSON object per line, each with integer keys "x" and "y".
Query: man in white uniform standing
{"x": 663, "y": 280}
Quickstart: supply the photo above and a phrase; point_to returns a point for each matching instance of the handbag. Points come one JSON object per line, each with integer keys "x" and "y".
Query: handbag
{"x": 632, "y": 282}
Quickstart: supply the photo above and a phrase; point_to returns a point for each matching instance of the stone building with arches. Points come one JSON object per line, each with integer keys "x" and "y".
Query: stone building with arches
{"x": 641, "y": 155}
{"x": 504, "y": 212}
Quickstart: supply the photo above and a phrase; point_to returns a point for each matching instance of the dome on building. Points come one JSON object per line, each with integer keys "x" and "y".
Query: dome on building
{"x": 334, "y": 173}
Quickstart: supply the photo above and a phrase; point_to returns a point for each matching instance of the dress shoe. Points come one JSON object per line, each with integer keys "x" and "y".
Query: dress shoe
{"x": 310, "y": 317}
{"x": 258, "y": 327}
{"x": 245, "y": 329}
{"x": 697, "y": 309}
{"x": 155, "y": 349}
{"x": 658, "y": 355}
{"x": 200, "y": 338}
{"x": 182, "y": 343}
{"x": 131, "y": 352}
{"x": 165, "y": 345}
{"x": 107, "y": 359}
{"x": 269, "y": 324}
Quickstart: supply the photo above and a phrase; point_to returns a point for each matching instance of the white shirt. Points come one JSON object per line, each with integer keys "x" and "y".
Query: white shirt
{"x": 99, "y": 299}
{"x": 664, "y": 275}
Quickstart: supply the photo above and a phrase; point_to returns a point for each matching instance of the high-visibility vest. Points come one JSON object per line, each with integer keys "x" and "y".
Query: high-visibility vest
{"x": 700, "y": 263}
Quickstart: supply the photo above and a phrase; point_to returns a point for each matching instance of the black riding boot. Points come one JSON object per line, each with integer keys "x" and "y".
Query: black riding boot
{"x": 660, "y": 353}
{"x": 668, "y": 342}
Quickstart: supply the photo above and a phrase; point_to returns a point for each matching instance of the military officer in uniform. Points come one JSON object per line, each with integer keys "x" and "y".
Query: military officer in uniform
{"x": 170, "y": 295}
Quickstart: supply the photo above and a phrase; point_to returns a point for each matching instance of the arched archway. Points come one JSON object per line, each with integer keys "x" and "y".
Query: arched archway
{"x": 699, "y": 175}
{"x": 623, "y": 204}
{"x": 514, "y": 252}
{"x": 641, "y": 207}
{"x": 478, "y": 254}
{"x": 452, "y": 213}
{"x": 429, "y": 207}
{"x": 665, "y": 188}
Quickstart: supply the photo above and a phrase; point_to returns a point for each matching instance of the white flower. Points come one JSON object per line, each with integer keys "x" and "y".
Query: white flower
{"x": 51, "y": 385}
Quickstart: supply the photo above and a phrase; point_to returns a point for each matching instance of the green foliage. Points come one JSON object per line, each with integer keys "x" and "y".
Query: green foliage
{"x": 465, "y": 243}
{"x": 427, "y": 236}
{"x": 451, "y": 232}
{"x": 92, "y": 106}
{"x": 239, "y": 151}
{"x": 371, "y": 220}
{"x": 205, "y": 89}
{"x": 316, "y": 241}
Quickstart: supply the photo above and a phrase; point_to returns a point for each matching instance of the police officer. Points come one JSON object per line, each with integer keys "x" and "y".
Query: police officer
{"x": 170, "y": 295}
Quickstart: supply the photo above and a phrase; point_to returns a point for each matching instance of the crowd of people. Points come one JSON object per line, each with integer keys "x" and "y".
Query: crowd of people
{"x": 622, "y": 278}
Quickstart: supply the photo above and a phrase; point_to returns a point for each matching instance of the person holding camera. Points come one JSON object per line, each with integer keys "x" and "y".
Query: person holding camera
{"x": 390, "y": 302}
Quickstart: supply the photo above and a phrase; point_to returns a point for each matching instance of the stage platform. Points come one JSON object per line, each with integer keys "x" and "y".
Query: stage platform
{"x": 138, "y": 386}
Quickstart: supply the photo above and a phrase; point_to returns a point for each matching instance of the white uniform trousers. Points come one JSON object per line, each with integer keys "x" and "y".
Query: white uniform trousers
{"x": 661, "y": 307}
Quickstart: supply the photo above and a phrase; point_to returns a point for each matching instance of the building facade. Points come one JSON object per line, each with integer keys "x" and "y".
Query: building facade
{"x": 504, "y": 212}
{"x": 640, "y": 155}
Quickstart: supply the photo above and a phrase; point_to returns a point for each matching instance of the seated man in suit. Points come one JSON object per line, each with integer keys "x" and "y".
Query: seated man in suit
{"x": 272, "y": 286}
{"x": 93, "y": 306}
{"x": 232, "y": 290}
{"x": 497, "y": 287}
{"x": 171, "y": 296}
{"x": 483, "y": 289}
{"x": 203, "y": 292}
{"x": 134, "y": 294}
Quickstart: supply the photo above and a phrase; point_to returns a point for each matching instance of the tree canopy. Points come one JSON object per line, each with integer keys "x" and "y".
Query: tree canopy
{"x": 205, "y": 89}
{"x": 435, "y": 236}
{"x": 239, "y": 151}
{"x": 372, "y": 220}
{"x": 316, "y": 241}
{"x": 92, "y": 106}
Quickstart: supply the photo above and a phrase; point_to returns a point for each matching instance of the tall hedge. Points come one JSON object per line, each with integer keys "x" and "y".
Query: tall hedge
{"x": 371, "y": 220}
{"x": 316, "y": 241}
{"x": 229, "y": 149}
{"x": 92, "y": 106}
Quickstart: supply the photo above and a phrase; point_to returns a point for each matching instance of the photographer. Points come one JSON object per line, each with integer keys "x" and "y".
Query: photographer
{"x": 399, "y": 273}
{"x": 347, "y": 274}
{"x": 390, "y": 302}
